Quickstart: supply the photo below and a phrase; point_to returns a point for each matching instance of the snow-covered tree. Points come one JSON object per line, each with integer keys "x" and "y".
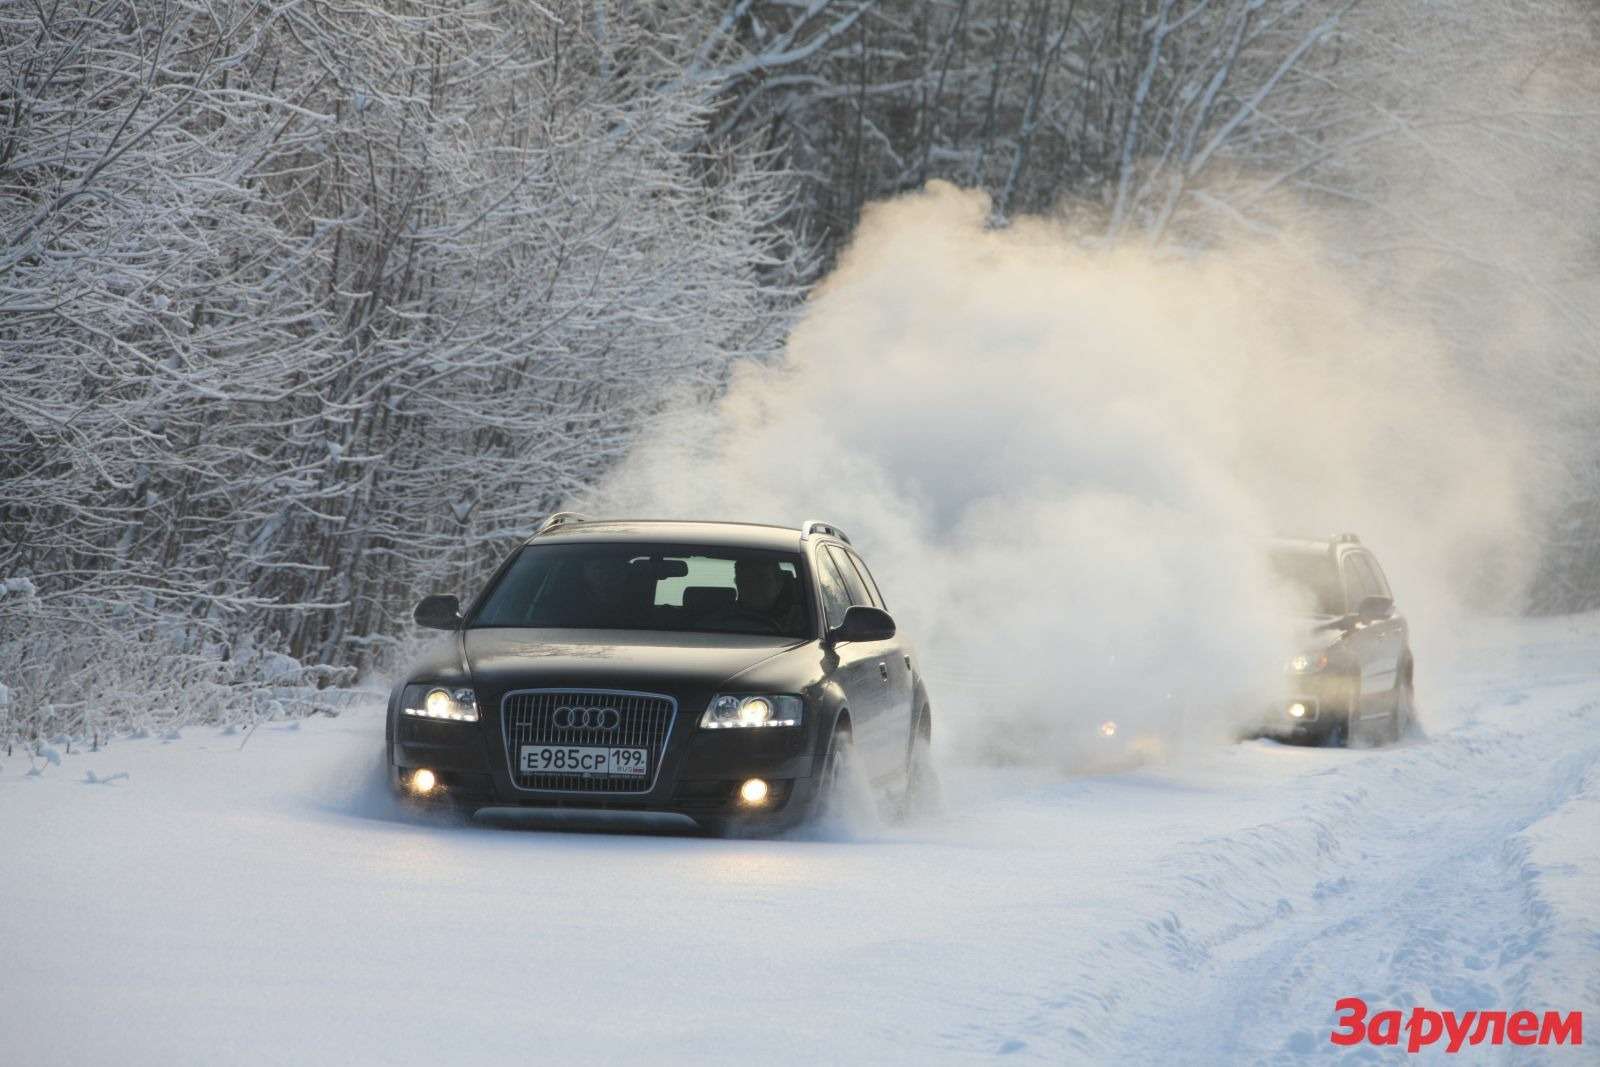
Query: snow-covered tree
{"x": 303, "y": 309}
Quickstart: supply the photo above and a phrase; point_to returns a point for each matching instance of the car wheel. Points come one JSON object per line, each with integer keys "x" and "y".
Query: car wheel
{"x": 1405, "y": 697}
{"x": 1342, "y": 729}
{"x": 1388, "y": 730}
{"x": 831, "y": 799}
{"x": 922, "y": 796}
{"x": 1337, "y": 735}
{"x": 844, "y": 802}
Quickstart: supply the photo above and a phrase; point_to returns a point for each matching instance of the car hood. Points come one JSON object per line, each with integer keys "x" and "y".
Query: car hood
{"x": 508, "y": 658}
{"x": 1316, "y": 633}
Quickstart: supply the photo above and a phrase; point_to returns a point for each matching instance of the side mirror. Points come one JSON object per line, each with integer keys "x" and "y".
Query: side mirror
{"x": 1374, "y": 607}
{"x": 863, "y": 624}
{"x": 438, "y": 612}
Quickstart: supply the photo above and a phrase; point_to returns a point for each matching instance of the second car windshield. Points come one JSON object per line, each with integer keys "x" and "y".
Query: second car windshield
{"x": 650, "y": 587}
{"x": 1312, "y": 578}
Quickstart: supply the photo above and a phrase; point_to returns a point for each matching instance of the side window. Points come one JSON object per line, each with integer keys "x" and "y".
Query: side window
{"x": 1381, "y": 584}
{"x": 1360, "y": 582}
{"x": 1355, "y": 586}
{"x": 872, "y": 586}
{"x": 835, "y": 598}
{"x": 852, "y": 580}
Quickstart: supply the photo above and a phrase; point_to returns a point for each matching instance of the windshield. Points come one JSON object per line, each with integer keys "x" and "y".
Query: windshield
{"x": 1311, "y": 578}
{"x": 651, "y": 587}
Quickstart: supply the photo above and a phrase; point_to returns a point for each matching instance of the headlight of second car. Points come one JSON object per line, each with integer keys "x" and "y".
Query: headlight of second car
{"x": 451, "y": 703}
{"x": 736, "y": 712}
{"x": 1307, "y": 663}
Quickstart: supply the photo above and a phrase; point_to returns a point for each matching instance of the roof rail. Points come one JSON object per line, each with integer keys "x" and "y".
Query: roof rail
{"x": 1346, "y": 539}
{"x": 560, "y": 518}
{"x": 817, "y": 526}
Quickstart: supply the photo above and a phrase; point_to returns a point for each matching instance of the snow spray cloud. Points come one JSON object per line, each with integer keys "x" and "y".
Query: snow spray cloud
{"x": 1060, "y": 458}
{"x": 1060, "y": 462}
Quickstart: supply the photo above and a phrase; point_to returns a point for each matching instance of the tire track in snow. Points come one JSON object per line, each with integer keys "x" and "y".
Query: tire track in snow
{"x": 1434, "y": 902}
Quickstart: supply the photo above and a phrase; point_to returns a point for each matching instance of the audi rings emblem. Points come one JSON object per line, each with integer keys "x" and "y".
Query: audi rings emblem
{"x": 569, "y": 718}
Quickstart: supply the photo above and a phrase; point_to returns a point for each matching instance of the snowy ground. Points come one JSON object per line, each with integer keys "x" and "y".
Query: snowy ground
{"x": 257, "y": 903}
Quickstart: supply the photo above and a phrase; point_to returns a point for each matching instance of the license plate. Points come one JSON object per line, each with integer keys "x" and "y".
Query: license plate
{"x": 591, "y": 760}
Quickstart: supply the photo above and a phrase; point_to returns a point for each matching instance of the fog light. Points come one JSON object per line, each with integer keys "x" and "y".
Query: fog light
{"x": 753, "y": 792}
{"x": 422, "y": 782}
{"x": 1108, "y": 729}
{"x": 1297, "y": 711}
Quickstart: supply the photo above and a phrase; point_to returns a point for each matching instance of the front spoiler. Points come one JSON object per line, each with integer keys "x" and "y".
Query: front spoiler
{"x": 707, "y": 801}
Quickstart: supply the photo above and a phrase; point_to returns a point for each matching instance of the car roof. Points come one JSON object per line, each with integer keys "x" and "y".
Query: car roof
{"x": 1298, "y": 544}
{"x": 675, "y": 532}
{"x": 1327, "y": 546}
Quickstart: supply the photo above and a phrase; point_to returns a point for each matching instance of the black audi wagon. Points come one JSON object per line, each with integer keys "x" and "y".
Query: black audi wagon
{"x": 722, "y": 671}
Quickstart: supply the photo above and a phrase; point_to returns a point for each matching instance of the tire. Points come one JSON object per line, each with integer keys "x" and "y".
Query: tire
{"x": 1405, "y": 703}
{"x": 922, "y": 794}
{"x": 1393, "y": 726}
{"x": 1388, "y": 731}
{"x": 830, "y": 801}
{"x": 1337, "y": 735}
{"x": 1342, "y": 729}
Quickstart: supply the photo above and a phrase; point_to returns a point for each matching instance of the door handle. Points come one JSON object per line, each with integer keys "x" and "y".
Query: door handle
{"x": 883, "y": 670}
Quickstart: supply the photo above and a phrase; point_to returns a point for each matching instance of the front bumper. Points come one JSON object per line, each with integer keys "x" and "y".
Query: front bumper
{"x": 699, "y": 775}
{"x": 1280, "y": 721}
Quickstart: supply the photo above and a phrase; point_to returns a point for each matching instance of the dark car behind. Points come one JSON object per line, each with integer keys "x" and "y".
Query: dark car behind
{"x": 1351, "y": 680}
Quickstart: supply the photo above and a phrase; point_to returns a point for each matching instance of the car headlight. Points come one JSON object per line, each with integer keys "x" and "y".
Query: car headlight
{"x": 738, "y": 712}
{"x": 1307, "y": 663}
{"x": 451, "y": 703}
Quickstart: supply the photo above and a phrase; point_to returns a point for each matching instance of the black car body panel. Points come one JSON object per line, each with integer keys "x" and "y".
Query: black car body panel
{"x": 870, "y": 685}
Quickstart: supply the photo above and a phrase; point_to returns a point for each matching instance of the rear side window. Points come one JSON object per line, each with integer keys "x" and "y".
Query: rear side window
{"x": 852, "y": 579}
{"x": 835, "y": 596}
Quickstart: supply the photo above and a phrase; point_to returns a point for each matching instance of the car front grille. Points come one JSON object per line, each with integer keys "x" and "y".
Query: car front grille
{"x": 644, "y": 720}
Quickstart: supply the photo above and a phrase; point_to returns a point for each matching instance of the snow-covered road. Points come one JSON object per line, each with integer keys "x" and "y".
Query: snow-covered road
{"x": 257, "y": 903}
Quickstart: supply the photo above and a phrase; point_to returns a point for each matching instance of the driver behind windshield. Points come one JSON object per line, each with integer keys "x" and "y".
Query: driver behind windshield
{"x": 601, "y": 590}
{"x": 605, "y": 581}
{"x": 767, "y": 590}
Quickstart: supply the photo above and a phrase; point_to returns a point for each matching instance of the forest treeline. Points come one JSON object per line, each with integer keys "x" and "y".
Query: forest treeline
{"x": 307, "y": 306}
